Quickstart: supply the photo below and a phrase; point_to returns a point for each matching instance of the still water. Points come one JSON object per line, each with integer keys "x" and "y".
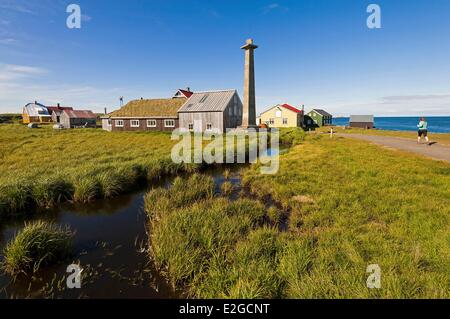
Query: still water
{"x": 436, "y": 124}
{"x": 110, "y": 245}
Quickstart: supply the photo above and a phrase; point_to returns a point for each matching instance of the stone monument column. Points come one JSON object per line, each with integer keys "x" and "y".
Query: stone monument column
{"x": 249, "y": 110}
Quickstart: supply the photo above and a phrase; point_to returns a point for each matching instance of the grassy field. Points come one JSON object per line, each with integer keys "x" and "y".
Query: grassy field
{"x": 348, "y": 204}
{"x": 42, "y": 167}
{"x": 310, "y": 231}
{"x": 441, "y": 138}
{"x": 10, "y": 118}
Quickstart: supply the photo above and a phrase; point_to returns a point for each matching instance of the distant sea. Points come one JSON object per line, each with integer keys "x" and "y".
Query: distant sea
{"x": 438, "y": 124}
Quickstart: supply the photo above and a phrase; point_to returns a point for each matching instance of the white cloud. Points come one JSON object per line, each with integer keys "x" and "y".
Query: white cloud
{"x": 12, "y": 72}
{"x": 8, "y": 41}
{"x": 274, "y": 6}
{"x": 20, "y": 7}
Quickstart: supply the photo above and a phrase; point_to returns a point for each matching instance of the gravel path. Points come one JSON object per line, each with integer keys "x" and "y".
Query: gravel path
{"x": 435, "y": 151}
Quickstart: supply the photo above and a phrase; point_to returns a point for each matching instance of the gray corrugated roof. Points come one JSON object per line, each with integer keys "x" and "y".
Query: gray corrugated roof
{"x": 361, "y": 119}
{"x": 322, "y": 112}
{"x": 213, "y": 101}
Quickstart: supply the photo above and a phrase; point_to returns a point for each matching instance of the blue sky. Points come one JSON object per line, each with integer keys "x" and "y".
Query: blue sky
{"x": 319, "y": 53}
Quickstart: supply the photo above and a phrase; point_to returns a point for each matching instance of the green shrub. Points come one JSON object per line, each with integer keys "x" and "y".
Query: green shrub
{"x": 38, "y": 244}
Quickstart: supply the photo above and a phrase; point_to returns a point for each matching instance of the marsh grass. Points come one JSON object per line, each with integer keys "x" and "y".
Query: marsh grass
{"x": 37, "y": 245}
{"x": 275, "y": 215}
{"x": 292, "y": 136}
{"x": 42, "y": 168}
{"x": 227, "y": 188}
{"x": 359, "y": 204}
{"x": 350, "y": 204}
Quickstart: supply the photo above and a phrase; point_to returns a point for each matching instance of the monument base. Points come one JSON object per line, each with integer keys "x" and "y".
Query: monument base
{"x": 247, "y": 127}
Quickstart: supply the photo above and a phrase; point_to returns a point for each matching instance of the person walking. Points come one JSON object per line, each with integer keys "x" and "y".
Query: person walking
{"x": 423, "y": 130}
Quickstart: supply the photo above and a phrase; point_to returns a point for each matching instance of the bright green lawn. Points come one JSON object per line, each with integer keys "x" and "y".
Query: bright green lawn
{"x": 369, "y": 206}
{"x": 44, "y": 166}
{"x": 349, "y": 204}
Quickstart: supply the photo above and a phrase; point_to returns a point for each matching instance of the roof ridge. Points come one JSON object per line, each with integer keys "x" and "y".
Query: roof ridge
{"x": 215, "y": 91}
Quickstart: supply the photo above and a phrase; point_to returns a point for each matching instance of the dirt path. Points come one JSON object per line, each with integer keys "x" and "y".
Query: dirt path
{"x": 435, "y": 151}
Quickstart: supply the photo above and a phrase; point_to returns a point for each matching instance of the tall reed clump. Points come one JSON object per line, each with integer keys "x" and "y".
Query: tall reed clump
{"x": 182, "y": 193}
{"x": 87, "y": 188}
{"x": 194, "y": 234}
{"x": 51, "y": 191}
{"x": 15, "y": 198}
{"x": 39, "y": 244}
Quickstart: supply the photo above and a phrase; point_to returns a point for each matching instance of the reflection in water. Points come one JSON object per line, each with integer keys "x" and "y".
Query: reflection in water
{"x": 110, "y": 245}
{"x": 109, "y": 234}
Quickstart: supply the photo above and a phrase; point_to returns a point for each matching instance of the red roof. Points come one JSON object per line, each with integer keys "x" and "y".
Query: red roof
{"x": 290, "y": 107}
{"x": 80, "y": 114}
{"x": 186, "y": 93}
{"x": 52, "y": 109}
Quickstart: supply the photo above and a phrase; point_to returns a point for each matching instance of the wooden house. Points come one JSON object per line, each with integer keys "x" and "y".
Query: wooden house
{"x": 318, "y": 118}
{"x": 211, "y": 111}
{"x": 362, "y": 121}
{"x": 282, "y": 115}
{"x": 56, "y": 111}
{"x": 77, "y": 119}
{"x": 183, "y": 94}
{"x": 35, "y": 113}
{"x": 145, "y": 115}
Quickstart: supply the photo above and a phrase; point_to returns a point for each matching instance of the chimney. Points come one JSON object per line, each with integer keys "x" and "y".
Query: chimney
{"x": 188, "y": 89}
{"x": 58, "y": 105}
{"x": 106, "y": 112}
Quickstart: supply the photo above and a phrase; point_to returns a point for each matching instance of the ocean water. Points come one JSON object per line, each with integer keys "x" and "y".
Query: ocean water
{"x": 436, "y": 124}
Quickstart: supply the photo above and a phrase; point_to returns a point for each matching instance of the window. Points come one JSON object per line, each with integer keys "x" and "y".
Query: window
{"x": 209, "y": 126}
{"x": 151, "y": 123}
{"x": 191, "y": 127}
{"x": 134, "y": 123}
{"x": 272, "y": 121}
{"x": 278, "y": 113}
{"x": 203, "y": 99}
{"x": 285, "y": 121}
{"x": 119, "y": 123}
{"x": 109, "y": 121}
{"x": 169, "y": 123}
